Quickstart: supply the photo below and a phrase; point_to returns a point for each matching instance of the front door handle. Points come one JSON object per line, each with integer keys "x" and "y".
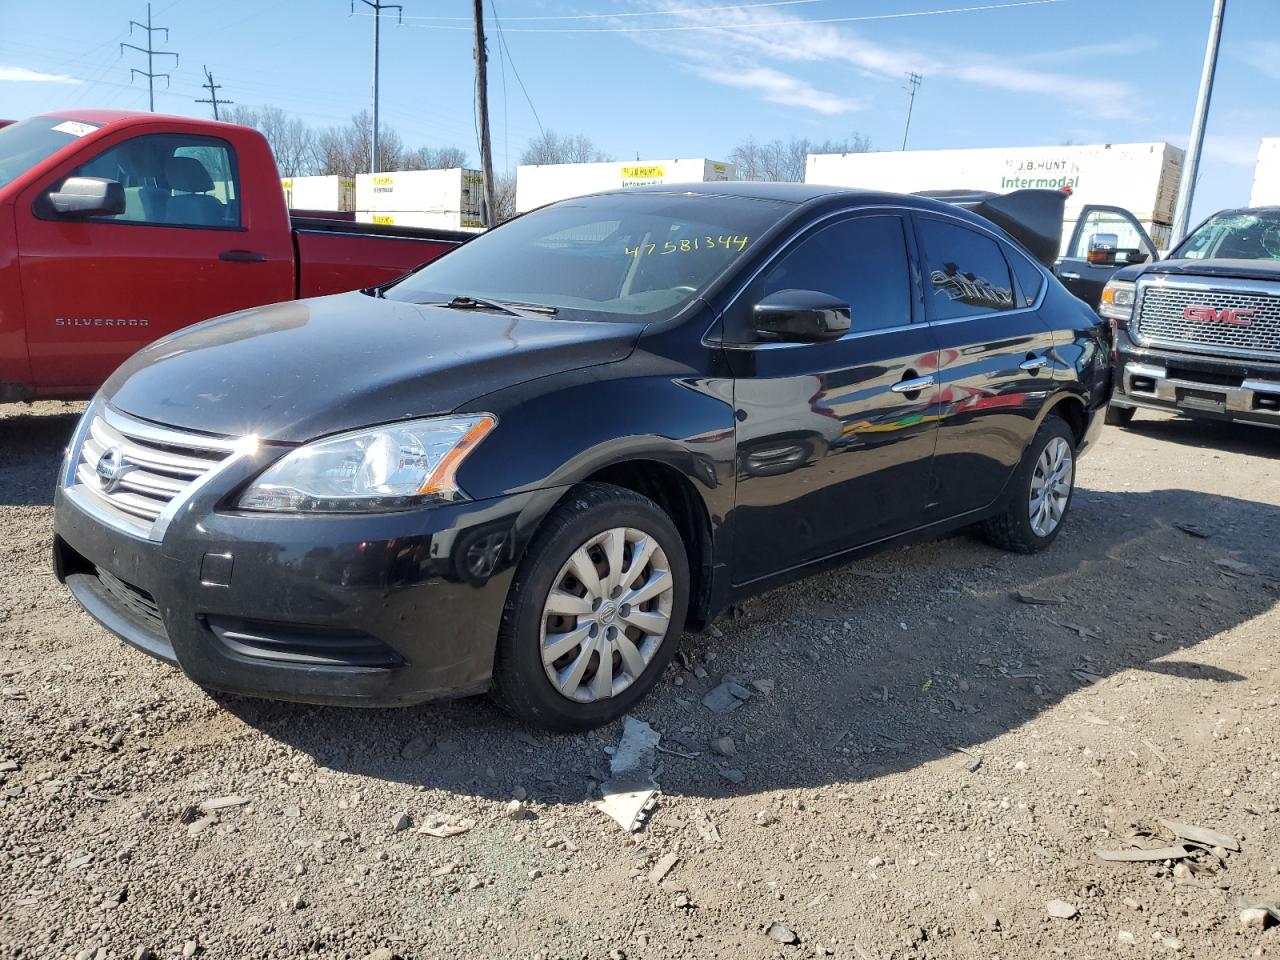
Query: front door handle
{"x": 1033, "y": 364}
{"x": 913, "y": 386}
{"x": 242, "y": 256}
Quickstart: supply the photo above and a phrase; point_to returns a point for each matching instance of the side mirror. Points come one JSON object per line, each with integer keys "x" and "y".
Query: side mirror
{"x": 88, "y": 197}
{"x": 1102, "y": 249}
{"x": 802, "y": 316}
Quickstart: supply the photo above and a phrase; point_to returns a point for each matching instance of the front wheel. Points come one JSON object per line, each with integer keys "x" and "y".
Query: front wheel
{"x": 594, "y": 612}
{"x": 1041, "y": 492}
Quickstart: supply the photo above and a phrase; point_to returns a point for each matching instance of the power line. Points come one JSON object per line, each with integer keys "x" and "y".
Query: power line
{"x": 151, "y": 53}
{"x": 502, "y": 42}
{"x": 763, "y": 24}
{"x": 639, "y": 13}
{"x": 377, "y": 6}
{"x": 213, "y": 89}
{"x": 913, "y": 84}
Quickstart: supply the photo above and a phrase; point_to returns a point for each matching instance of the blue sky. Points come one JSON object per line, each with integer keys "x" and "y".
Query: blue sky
{"x": 648, "y": 77}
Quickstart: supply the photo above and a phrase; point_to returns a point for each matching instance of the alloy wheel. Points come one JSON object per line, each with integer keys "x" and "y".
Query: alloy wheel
{"x": 608, "y": 612}
{"x": 1051, "y": 486}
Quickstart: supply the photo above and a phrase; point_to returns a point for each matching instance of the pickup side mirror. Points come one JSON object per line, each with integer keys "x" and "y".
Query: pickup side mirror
{"x": 1102, "y": 249}
{"x": 88, "y": 197}
{"x": 801, "y": 316}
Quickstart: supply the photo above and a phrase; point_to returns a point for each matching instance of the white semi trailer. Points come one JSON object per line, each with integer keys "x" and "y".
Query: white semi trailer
{"x": 1139, "y": 177}
{"x": 1266, "y": 175}
{"x": 539, "y": 184}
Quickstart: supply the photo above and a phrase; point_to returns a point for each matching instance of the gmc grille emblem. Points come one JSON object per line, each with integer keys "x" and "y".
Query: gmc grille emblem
{"x": 1228, "y": 315}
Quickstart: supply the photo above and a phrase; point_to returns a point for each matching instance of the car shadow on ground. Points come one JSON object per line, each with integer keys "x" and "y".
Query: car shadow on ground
{"x": 918, "y": 654}
{"x": 31, "y": 446}
{"x": 1218, "y": 435}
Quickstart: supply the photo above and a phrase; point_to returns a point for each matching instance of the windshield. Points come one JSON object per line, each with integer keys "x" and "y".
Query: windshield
{"x": 27, "y": 142}
{"x": 614, "y": 257}
{"x": 1246, "y": 235}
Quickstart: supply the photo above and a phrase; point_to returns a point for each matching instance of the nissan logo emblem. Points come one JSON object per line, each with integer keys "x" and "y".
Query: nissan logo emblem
{"x": 111, "y": 468}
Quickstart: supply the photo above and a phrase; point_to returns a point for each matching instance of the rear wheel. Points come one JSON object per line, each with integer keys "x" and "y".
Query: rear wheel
{"x": 1119, "y": 416}
{"x": 1041, "y": 492}
{"x": 594, "y": 613}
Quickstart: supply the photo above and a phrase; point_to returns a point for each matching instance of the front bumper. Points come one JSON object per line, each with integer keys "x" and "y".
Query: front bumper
{"x": 365, "y": 610}
{"x": 1196, "y": 385}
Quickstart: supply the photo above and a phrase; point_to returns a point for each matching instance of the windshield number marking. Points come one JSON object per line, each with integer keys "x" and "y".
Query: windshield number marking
{"x": 687, "y": 245}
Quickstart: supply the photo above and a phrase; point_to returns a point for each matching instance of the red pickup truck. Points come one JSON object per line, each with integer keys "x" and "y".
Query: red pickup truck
{"x": 117, "y": 228}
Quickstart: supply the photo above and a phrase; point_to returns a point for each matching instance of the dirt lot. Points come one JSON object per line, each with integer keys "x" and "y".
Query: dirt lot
{"x": 848, "y": 813}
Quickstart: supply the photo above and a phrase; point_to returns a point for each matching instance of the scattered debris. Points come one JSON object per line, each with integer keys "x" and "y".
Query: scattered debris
{"x": 444, "y": 825}
{"x": 731, "y": 774}
{"x": 400, "y": 822}
{"x": 1192, "y": 529}
{"x": 1267, "y": 908}
{"x": 726, "y": 697}
{"x": 1035, "y": 599}
{"x": 629, "y": 794}
{"x": 1060, "y": 909}
{"x": 1138, "y": 854}
{"x": 781, "y": 933}
{"x": 764, "y": 818}
{"x": 707, "y": 830}
{"x": 691, "y": 755}
{"x": 764, "y": 685}
{"x": 973, "y": 765}
{"x": 1236, "y": 566}
{"x": 516, "y": 810}
{"x": 664, "y": 866}
{"x": 724, "y": 746}
{"x": 1195, "y": 834}
{"x": 417, "y": 746}
{"x": 222, "y": 803}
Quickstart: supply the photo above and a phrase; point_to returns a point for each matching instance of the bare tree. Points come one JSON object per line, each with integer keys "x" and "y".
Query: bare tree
{"x": 504, "y": 198}
{"x": 552, "y": 147}
{"x": 433, "y": 158}
{"x": 345, "y": 150}
{"x": 292, "y": 142}
{"x": 785, "y": 160}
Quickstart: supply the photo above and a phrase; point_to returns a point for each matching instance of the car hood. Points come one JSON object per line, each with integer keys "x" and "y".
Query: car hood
{"x": 296, "y": 371}
{"x": 1238, "y": 269}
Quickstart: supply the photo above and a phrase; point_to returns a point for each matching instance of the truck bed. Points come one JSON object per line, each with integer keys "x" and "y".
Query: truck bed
{"x": 335, "y": 255}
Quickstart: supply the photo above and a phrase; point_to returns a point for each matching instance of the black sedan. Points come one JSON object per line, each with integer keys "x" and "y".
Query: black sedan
{"x": 531, "y": 464}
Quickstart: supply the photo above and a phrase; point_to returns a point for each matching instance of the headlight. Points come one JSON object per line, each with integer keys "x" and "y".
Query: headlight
{"x": 394, "y": 467}
{"x": 1117, "y": 300}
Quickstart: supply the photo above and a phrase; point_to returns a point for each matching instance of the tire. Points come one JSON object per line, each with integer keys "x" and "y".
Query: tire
{"x": 587, "y": 525}
{"x": 1019, "y": 529}
{"x": 1118, "y": 416}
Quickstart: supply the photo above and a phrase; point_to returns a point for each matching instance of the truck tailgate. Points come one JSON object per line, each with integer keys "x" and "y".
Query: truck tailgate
{"x": 335, "y": 256}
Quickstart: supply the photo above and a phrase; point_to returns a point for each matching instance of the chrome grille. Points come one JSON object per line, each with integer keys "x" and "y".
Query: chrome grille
{"x": 133, "y": 469}
{"x": 1162, "y": 319}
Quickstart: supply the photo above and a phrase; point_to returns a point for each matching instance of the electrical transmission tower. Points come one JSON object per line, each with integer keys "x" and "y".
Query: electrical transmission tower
{"x": 377, "y": 6}
{"x": 151, "y": 53}
{"x": 913, "y": 84}
{"x": 213, "y": 89}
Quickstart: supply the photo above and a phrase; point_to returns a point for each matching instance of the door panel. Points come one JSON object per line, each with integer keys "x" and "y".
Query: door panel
{"x": 996, "y": 362}
{"x": 829, "y": 455}
{"x": 99, "y": 289}
{"x": 1085, "y": 279}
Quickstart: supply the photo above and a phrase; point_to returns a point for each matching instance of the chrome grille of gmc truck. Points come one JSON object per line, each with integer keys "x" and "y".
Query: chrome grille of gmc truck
{"x": 1210, "y": 319}
{"x": 129, "y": 471}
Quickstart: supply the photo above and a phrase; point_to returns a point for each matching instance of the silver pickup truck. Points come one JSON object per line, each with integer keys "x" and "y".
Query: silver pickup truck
{"x": 1198, "y": 333}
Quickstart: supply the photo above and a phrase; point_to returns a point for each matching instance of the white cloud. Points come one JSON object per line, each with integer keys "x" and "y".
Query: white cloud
{"x": 23, "y": 75}
{"x": 1264, "y": 55}
{"x": 760, "y": 36}
{"x": 778, "y": 87}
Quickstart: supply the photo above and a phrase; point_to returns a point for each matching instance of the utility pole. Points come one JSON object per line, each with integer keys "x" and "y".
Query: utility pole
{"x": 377, "y": 6}
{"x": 913, "y": 84}
{"x": 213, "y": 89}
{"x": 1191, "y": 164}
{"x": 482, "y": 106}
{"x": 151, "y": 53}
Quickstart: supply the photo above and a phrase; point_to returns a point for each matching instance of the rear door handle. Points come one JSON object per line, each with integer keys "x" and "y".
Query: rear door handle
{"x": 1033, "y": 364}
{"x": 242, "y": 256}
{"x": 913, "y": 386}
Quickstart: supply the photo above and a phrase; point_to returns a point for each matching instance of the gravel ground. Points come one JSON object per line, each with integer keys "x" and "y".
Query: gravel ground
{"x": 927, "y": 763}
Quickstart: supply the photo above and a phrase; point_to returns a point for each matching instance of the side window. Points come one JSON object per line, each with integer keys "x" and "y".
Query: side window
{"x": 967, "y": 273}
{"x": 172, "y": 180}
{"x": 1030, "y": 279}
{"x": 1119, "y": 230}
{"x": 861, "y": 261}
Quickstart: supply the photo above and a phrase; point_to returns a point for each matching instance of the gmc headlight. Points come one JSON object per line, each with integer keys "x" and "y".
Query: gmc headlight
{"x": 1117, "y": 300}
{"x": 394, "y": 467}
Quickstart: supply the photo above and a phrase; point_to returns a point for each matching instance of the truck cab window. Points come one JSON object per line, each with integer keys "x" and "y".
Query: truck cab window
{"x": 172, "y": 180}
{"x": 861, "y": 261}
{"x": 966, "y": 274}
